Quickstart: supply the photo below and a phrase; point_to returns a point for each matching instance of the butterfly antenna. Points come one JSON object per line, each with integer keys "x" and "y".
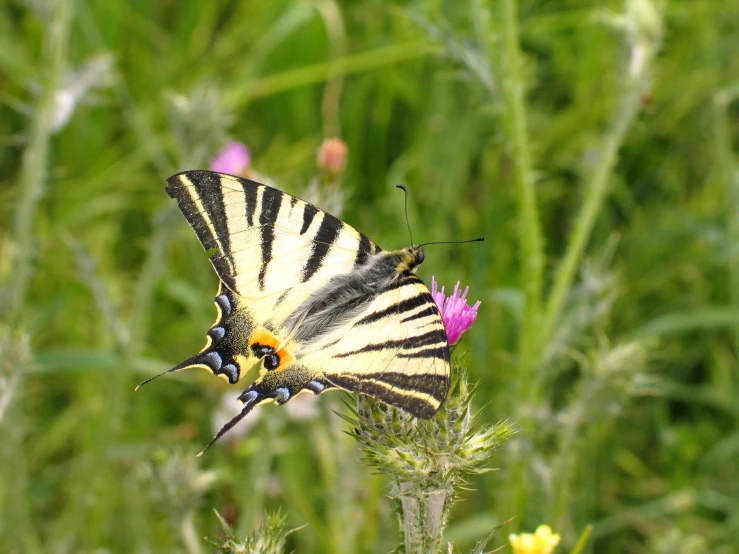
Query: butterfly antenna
{"x": 478, "y": 239}
{"x": 405, "y": 190}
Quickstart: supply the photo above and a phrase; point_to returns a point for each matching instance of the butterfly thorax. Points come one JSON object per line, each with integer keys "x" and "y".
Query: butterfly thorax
{"x": 408, "y": 259}
{"x": 347, "y": 295}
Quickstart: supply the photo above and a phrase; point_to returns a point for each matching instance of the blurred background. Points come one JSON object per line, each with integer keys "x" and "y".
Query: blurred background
{"x": 592, "y": 143}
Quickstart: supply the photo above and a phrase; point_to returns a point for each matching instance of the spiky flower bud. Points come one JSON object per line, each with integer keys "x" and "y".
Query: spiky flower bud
{"x": 269, "y": 538}
{"x": 176, "y": 482}
{"x": 427, "y": 460}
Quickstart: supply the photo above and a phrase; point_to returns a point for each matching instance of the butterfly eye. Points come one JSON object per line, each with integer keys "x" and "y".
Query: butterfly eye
{"x": 420, "y": 256}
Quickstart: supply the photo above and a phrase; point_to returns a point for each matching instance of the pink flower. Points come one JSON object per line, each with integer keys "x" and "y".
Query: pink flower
{"x": 233, "y": 159}
{"x": 456, "y": 314}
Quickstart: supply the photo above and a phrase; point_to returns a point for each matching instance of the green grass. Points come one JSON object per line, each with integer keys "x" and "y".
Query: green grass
{"x": 608, "y": 193}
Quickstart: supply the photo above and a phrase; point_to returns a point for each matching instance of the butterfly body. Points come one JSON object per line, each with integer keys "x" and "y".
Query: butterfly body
{"x": 311, "y": 301}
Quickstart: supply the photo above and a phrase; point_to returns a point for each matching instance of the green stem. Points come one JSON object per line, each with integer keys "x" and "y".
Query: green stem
{"x": 21, "y": 530}
{"x": 595, "y": 194}
{"x": 34, "y": 170}
{"x": 190, "y": 538}
{"x": 151, "y": 272}
{"x": 331, "y": 103}
{"x": 730, "y": 171}
{"x": 424, "y": 518}
{"x": 8, "y": 387}
{"x": 583, "y": 540}
{"x": 564, "y": 463}
{"x": 317, "y": 73}
{"x": 532, "y": 253}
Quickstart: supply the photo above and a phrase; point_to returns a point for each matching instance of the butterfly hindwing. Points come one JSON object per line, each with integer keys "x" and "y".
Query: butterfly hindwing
{"x": 395, "y": 349}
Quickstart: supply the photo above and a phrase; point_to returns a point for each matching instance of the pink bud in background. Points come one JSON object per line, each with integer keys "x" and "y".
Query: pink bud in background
{"x": 332, "y": 155}
{"x": 234, "y": 159}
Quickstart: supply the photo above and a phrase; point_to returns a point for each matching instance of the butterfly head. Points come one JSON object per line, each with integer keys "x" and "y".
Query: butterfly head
{"x": 409, "y": 259}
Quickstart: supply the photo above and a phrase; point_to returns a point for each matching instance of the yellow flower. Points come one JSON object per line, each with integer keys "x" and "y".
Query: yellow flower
{"x": 543, "y": 541}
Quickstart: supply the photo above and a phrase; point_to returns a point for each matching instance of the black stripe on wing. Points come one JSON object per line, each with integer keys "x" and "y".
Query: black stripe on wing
{"x": 324, "y": 238}
{"x": 435, "y": 338}
{"x": 271, "y": 202}
{"x": 309, "y": 212}
{"x": 210, "y": 193}
{"x": 179, "y": 190}
{"x": 366, "y": 247}
{"x": 407, "y": 392}
{"x": 431, "y": 310}
{"x": 251, "y": 191}
{"x": 401, "y": 307}
{"x": 428, "y": 383}
{"x": 440, "y": 351}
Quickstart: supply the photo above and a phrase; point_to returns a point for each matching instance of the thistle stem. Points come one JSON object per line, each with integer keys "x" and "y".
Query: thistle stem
{"x": 424, "y": 513}
{"x": 411, "y": 517}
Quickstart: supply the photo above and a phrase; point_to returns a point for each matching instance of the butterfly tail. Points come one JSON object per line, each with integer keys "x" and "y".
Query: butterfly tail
{"x": 279, "y": 391}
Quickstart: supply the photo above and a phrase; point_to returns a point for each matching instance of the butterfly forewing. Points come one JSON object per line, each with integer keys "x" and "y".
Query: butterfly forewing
{"x": 267, "y": 241}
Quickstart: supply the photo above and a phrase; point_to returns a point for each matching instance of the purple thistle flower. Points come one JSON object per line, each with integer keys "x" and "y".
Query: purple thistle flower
{"x": 233, "y": 159}
{"x": 456, "y": 314}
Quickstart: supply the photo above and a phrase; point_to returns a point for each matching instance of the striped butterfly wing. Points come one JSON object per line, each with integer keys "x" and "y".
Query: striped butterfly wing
{"x": 272, "y": 251}
{"x": 396, "y": 350}
{"x": 267, "y": 242}
{"x": 316, "y": 302}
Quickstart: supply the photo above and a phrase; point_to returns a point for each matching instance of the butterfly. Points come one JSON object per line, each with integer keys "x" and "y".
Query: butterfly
{"x": 313, "y": 302}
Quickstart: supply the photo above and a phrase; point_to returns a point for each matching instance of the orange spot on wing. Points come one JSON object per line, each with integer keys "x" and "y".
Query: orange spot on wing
{"x": 266, "y": 338}
{"x": 286, "y": 359}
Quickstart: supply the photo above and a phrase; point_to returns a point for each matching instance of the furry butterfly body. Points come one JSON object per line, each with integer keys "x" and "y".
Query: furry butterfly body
{"x": 315, "y": 303}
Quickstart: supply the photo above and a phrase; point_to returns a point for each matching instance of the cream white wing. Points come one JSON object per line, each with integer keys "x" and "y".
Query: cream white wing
{"x": 395, "y": 350}
{"x": 271, "y": 248}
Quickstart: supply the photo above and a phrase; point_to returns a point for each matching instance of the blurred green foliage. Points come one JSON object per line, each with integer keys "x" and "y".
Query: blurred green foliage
{"x": 499, "y": 116}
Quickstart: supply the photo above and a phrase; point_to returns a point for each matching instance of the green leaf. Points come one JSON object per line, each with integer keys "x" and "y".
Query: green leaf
{"x": 705, "y": 319}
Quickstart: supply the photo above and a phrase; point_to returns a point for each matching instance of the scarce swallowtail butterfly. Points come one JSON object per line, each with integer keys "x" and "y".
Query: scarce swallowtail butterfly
{"x": 312, "y": 301}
